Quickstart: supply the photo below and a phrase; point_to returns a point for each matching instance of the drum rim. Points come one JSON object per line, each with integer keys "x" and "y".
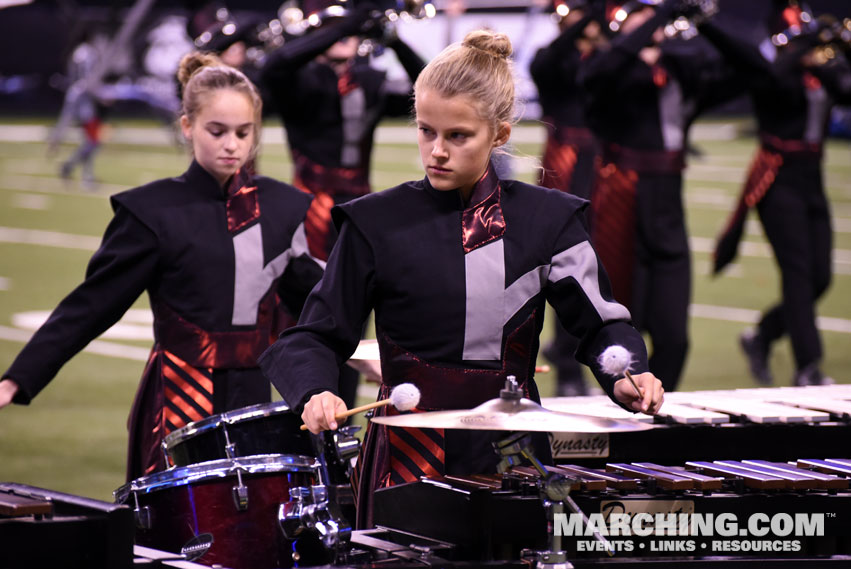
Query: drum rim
{"x": 178, "y": 476}
{"x": 260, "y": 410}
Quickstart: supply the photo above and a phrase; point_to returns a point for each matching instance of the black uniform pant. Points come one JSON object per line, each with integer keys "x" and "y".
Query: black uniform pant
{"x": 661, "y": 285}
{"x": 560, "y": 352}
{"x": 796, "y": 218}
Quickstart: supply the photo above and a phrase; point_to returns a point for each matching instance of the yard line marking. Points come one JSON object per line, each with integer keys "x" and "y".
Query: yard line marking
{"x": 748, "y": 316}
{"x": 55, "y": 185}
{"x": 30, "y": 200}
{"x": 48, "y": 238}
{"x": 99, "y": 347}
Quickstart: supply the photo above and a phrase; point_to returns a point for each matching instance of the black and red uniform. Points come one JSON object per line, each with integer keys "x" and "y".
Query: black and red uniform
{"x": 222, "y": 268}
{"x": 792, "y": 105}
{"x": 458, "y": 292}
{"x": 330, "y": 121}
{"x": 568, "y": 160}
{"x": 641, "y": 114}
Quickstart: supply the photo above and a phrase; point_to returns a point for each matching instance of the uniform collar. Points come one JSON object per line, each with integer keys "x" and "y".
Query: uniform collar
{"x": 482, "y": 220}
{"x": 203, "y": 181}
{"x": 484, "y": 188}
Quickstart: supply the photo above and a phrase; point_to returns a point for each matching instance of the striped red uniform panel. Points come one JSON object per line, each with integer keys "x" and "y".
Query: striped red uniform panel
{"x": 613, "y": 204}
{"x": 415, "y": 453}
{"x": 317, "y": 225}
{"x": 188, "y": 392}
{"x": 557, "y": 165}
{"x": 761, "y": 176}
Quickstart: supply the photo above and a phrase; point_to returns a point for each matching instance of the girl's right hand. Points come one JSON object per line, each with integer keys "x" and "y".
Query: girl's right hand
{"x": 8, "y": 389}
{"x": 321, "y": 410}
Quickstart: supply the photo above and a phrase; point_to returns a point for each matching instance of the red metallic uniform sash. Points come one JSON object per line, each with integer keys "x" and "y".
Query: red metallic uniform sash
{"x": 226, "y": 349}
{"x": 393, "y": 455}
{"x": 483, "y": 221}
{"x": 325, "y": 184}
{"x": 613, "y": 203}
{"x": 561, "y": 152}
{"x": 613, "y": 207}
{"x": 242, "y": 206}
{"x": 645, "y": 161}
{"x": 772, "y": 154}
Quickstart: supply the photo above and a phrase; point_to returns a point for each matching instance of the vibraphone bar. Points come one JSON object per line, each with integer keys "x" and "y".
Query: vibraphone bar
{"x": 812, "y": 494}
{"x": 772, "y": 423}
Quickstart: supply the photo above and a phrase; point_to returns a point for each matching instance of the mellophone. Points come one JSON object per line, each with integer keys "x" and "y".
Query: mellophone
{"x": 241, "y": 488}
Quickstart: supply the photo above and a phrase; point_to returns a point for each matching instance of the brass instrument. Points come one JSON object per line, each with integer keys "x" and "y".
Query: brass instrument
{"x": 294, "y": 22}
{"x": 827, "y": 35}
{"x": 689, "y": 15}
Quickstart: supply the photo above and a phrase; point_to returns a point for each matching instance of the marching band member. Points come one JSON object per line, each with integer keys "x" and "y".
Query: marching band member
{"x": 570, "y": 151}
{"x": 457, "y": 268}
{"x": 792, "y": 93}
{"x": 642, "y": 100}
{"x": 331, "y": 102}
{"x": 219, "y": 250}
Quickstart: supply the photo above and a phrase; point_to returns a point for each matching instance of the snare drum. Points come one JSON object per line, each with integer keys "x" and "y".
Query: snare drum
{"x": 234, "y": 501}
{"x": 267, "y": 428}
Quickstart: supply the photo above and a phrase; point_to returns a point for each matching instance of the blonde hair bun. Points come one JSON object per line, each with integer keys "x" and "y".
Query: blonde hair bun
{"x": 493, "y": 43}
{"x": 192, "y": 62}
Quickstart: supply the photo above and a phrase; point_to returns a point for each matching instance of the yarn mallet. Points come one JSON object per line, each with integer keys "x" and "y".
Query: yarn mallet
{"x": 615, "y": 361}
{"x": 403, "y": 397}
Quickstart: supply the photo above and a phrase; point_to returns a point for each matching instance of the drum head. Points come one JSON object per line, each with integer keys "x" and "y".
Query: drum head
{"x": 267, "y": 428}
{"x": 216, "y": 470}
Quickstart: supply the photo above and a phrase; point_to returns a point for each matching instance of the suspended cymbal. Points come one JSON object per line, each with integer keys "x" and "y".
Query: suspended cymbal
{"x": 512, "y": 415}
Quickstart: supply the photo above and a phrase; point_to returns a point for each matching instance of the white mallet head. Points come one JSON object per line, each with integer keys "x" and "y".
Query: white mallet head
{"x": 405, "y": 396}
{"x": 615, "y": 361}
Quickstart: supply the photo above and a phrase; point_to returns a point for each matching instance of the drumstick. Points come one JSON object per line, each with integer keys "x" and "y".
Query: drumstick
{"x": 403, "y": 397}
{"x": 615, "y": 361}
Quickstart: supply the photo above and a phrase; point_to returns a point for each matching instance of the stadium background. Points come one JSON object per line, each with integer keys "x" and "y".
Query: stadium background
{"x": 73, "y": 436}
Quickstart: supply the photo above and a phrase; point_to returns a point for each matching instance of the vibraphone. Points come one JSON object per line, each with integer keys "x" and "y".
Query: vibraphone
{"x": 770, "y": 423}
{"x": 803, "y": 513}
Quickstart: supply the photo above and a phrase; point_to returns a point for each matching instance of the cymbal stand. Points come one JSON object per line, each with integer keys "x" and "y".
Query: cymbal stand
{"x": 553, "y": 488}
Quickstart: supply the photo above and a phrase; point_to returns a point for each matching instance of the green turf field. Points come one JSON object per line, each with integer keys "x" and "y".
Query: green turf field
{"x": 73, "y": 436}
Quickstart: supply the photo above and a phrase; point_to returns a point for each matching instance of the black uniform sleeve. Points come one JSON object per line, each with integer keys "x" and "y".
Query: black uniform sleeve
{"x": 117, "y": 274}
{"x": 738, "y": 52}
{"x": 299, "y": 278}
{"x": 835, "y": 75}
{"x": 554, "y": 56}
{"x": 399, "y": 104}
{"x": 411, "y": 62}
{"x": 608, "y": 63}
{"x": 579, "y": 291}
{"x": 284, "y": 61}
{"x": 306, "y": 358}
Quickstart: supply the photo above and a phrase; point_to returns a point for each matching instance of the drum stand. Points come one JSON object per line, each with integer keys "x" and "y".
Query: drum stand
{"x": 554, "y": 488}
{"x": 318, "y": 508}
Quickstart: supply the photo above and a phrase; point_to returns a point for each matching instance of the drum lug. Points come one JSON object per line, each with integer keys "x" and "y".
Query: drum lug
{"x": 240, "y": 498}
{"x": 143, "y": 517}
{"x": 240, "y": 493}
{"x": 142, "y": 514}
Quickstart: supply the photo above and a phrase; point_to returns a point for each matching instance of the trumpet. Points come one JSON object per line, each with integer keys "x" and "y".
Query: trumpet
{"x": 691, "y": 14}
{"x": 294, "y": 22}
{"x": 688, "y": 15}
{"x": 827, "y": 36}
